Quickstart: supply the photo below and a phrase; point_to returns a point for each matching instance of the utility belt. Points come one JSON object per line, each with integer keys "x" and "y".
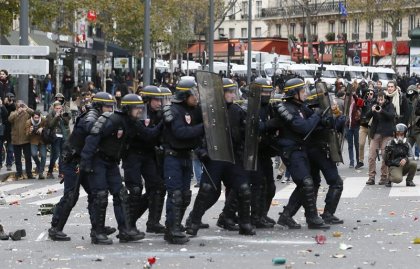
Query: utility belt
{"x": 181, "y": 153}
{"x": 107, "y": 158}
{"x": 149, "y": 152}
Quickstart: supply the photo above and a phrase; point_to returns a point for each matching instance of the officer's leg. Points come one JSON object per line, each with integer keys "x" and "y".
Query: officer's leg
{"x": 270, "y": 187}
{"x": 132, "y": 178}
{"x": 127, "y": 232}
{"x": 173, "y": 179}
{"x": 257, "y": 188}
{"x": 411, "y": 167}
{"x": 300, "y": 172}
{"x": 63, "y": 208}
{"x": 186, "y": 180}
{"x": 155, "y": 194}
{"x": 335, "y": 189}
{"x": 100, "y": 201}
{"x": 207, "y": 195}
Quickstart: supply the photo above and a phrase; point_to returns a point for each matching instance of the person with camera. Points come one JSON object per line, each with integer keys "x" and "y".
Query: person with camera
{"x": 380, "y": 133}
{"x": 366, "y": 106}
{"x": 58, "y": 123}
{"x": 398, "y": 157}
{"x": 20, "y": 139}
{"x": 34, "y": 128}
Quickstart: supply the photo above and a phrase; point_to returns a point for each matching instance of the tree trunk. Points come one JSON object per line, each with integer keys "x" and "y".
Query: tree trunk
{"x": 394, "y": 45}
{"x": 103, "y": 75}
{"x": 57, "y": 66}
{"x": 308, "y": 34}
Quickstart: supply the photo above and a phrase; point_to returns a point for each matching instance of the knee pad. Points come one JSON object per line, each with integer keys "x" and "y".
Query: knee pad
{"x": 186, "y": 198}
{"x": 175, "y": 197}
{"x": 135, "y": 191}
{"x": 308, "y": 182}
{"x": 339, "y": 183}
{"x": 244, "y": 191}
{"x": 101, "y": 198}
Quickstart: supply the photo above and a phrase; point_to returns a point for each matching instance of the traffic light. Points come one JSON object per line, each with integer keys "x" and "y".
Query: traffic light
{"x": 231, "y": 49}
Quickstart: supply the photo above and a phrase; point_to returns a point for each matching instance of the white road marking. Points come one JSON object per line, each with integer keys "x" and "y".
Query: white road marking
{"x": 11, "y": 187}
{"x": 353, "y": 186}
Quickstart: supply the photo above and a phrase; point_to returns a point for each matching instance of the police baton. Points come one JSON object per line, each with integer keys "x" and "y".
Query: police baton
{"x": 208, "y": 174}
{"x": 313, "y": 128}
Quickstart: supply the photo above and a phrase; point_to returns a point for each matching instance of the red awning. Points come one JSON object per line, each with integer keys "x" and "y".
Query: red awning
{"x": 384, "y": 48}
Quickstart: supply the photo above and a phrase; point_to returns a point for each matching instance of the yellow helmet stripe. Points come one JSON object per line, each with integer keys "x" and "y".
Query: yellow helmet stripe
{"x": 267, "y": 86}
{"x": 156, "y": 94}
{"x": 183, "y": 89}
{"x": 229, "y": 85}
{"x": 294, "y": 86}
{"x": 103, "y": 100}
{"x": 132, "y": 102}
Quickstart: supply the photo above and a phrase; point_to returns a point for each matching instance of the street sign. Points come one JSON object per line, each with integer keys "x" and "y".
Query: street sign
{"x": 25, "y": 66}
{"x": 24, "y": 50}
{"x": 356, "y": 60}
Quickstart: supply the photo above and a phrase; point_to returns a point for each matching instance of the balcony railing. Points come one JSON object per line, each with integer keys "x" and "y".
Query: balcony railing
{"x": 297, "y": 11}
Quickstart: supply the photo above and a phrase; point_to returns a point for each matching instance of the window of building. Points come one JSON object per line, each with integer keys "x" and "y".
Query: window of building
{"x": 231, "y": 32}
{"x": 411, "y": 22}
{"x": 343, "y": 27}
{"x": 278, "y": 30}
{"x": 331, "y": 27}
{"x": 314, "y": 29}
{"x": 356, "y": 24}
{"x": 221, "y": 33}
{"x": 258, "y": 31}
{"x": 231, "y": 13}
{"x": 384, "y": 26}
{"x": 244, "y": 11}
{"x": 259, "y": 7}
{"x": 292, "y": 29}
{"x": 399, "y": 28}
{"x": 244, "y": 32}
{"x": 369, "y": 26}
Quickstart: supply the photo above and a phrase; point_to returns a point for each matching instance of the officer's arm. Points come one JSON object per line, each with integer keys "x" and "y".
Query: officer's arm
{"x": 182, "y": 131}
{"x": 304, "y": 126}
{"x": 149, "y": 133}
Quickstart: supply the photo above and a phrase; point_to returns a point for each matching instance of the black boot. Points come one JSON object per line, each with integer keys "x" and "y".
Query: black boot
{"x": 206, "y": 197}
{"x": 331, "y": 202}
{"x": 292, "y": 207}
{"x": 173, "y": 232}
{"x": 227, "y": 217}
{"x": 99, "y": 205}
{"x": 244, "y": 197}
{"x": 156, "y": 199}
{"x": 257, "y": 207}
{"x": 61, "y": 214}
{"x": 3, "y": 236}
{"x": 134, "y": 202}
{"x": 270, "y": 192}
{"x": 127, "y": 229}
{"x": 309, "y": 203}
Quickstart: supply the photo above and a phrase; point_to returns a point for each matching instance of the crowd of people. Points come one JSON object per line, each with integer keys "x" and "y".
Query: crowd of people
{"x": 158, "y": 135}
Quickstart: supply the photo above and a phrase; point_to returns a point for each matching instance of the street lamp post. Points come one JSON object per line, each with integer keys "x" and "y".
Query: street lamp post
{"x": 146, "y": 44}
{"x": 22, "y": 94}
{"x": 211, "y": 36}
{"x": 248, "y": 73}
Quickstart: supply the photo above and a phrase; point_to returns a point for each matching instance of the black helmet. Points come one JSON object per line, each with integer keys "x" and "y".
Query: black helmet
{"x": 184, "y": 89}
{"x": 293, "y": 86}
{"x": 131, "y": 101}
{"x": 152, "y": 91}
{"x": 265, "y": 84}
{"x": 229, "y": 85}
{"x": 102, "y": 99}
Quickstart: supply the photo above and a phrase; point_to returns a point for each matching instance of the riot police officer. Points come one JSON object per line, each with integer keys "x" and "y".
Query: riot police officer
{"x": 296, "y": 122}
{"x": 233, "y": 176}
{"x": 102, "y": 102}
{"x": 183, "y": 131}
{"x": 321, "y": 151}
{"x": 141, "y": 161}
{"x": 100, "y": 157}
{"x": 262, "y": 180}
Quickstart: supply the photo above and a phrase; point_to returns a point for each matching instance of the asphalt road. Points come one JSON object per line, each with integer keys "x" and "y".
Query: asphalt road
{"x": 380, "y": 225}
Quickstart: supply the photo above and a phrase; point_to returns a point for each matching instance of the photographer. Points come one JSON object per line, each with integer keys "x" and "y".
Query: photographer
{"x": 20, "y": 139}
{"x": 58, "y": 122}
{"x": 34, "y": 128}
{"x": 399, "y": 157}
{"x": 368, "y": 101}
{"x": 380, "y": 133}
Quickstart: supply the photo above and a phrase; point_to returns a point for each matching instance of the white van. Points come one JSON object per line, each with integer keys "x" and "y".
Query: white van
{"x": 381, "y": 73}
{"x": 356, "y": 72}
{"x": 307, "y": 71}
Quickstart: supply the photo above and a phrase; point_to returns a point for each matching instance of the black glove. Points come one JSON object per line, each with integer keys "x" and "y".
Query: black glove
{"x": 328, "y": 121}
{"x": 202, "y": 154}
{"x": 86, "y": 166}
